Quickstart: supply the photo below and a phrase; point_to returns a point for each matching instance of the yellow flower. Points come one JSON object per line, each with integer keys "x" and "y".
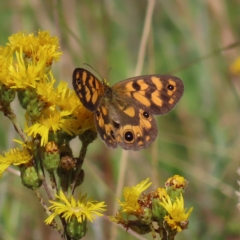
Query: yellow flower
{"x": 177, "y": 215}
{"x": 83, "y": 209}
{"x": 131, "y": 196}
{"x": 51, "y": 44}
{"x": 46, "y": 91}
{"x": 34, "y": 46}
{"x": 235, "y": 66}
{"x": 65, "y": 98}
{"x": 14, "y": 156}
{"x": 52, "y": 120}
{"x": 83, "y": 120}
{"x": 30, "y": 75}
{"x": 6, "y": 57}
{"x": 25, "y": 41}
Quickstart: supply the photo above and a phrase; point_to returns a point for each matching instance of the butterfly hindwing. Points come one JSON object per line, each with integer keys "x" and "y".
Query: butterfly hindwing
{"x": 139, "y": 134}
{"x": 125, "y": 125}
{"x": 105, "y": 125}
{"x": 88, "y": 88}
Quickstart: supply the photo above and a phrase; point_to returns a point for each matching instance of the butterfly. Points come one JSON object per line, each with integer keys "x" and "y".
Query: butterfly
{"x": 124, "y": 112}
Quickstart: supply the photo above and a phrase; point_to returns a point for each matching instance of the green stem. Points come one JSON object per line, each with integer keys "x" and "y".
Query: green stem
{"x": 47, "y": 190}
{"x": 53, "y": 180}
{"x": 53, "y": 224}
{"x": 79, "y": 164}
{"x": 38, "y": 159}
{"x": 10, "y": 114}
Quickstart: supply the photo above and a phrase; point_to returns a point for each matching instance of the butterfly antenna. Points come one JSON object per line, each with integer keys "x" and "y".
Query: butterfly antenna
{"x": 109, "y": 71}
{"x": 94, "y": 70}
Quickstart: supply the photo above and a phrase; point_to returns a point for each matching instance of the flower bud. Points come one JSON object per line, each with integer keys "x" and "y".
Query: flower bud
{"x": 76, "y": 230}
{"x": 30, "y": 177}
{"x": 51, "y": 156}
{"x": 34, "y": 108}
{"x": 176, "y": 182}
{"x": 175, "y": 186}
{"x": 66, "y": 170}
{"x": 8, "y": 95}
{"x": 158, "y": 211}
{"x": 25, "y": 96}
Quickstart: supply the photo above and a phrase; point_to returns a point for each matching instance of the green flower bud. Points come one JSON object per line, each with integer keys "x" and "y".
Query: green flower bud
{"x": 146, "y": 217}
{"x": 51, "y": 156}
{"x": 75, "y": 229}
{"x": 25, "y": 96}
{"x": 158, "y": 210}
{"x": 30, "y": 177}
{"x": 173, "y": 193}
{"x": 8, "y": 95}
{"x": 175, "y": 186}
{"x": 35, "y": 107}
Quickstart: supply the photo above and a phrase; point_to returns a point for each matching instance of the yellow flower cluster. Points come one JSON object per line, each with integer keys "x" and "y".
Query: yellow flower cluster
{"x": 52, "y": 112}
{"x": 165, "y": 206}
{"x": 49, "y": 108}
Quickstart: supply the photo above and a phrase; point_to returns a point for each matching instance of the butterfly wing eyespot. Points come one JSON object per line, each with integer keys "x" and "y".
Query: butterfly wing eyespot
{"x": 88, "y": 88}
{"x": 170, "y": 87}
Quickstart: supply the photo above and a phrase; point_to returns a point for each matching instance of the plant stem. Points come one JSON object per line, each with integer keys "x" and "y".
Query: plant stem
{"x": 80, "y": 161}
{"x": 8, "y": 112}
{"x": 53, "y": 224}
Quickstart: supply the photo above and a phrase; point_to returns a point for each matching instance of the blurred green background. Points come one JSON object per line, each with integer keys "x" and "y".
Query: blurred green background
{"x": 199, "y": 140}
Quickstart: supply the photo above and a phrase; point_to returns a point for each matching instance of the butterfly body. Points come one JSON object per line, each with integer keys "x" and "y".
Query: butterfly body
{"x": 124, "y": 112}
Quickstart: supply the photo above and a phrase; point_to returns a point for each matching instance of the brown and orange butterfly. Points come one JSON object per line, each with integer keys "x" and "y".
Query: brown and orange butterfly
{"x": 124, "y": 112}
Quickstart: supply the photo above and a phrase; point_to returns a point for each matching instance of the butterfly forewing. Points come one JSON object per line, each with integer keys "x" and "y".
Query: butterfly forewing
{"x": 88, "y": 88}
{"x": 158, "y": 94}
